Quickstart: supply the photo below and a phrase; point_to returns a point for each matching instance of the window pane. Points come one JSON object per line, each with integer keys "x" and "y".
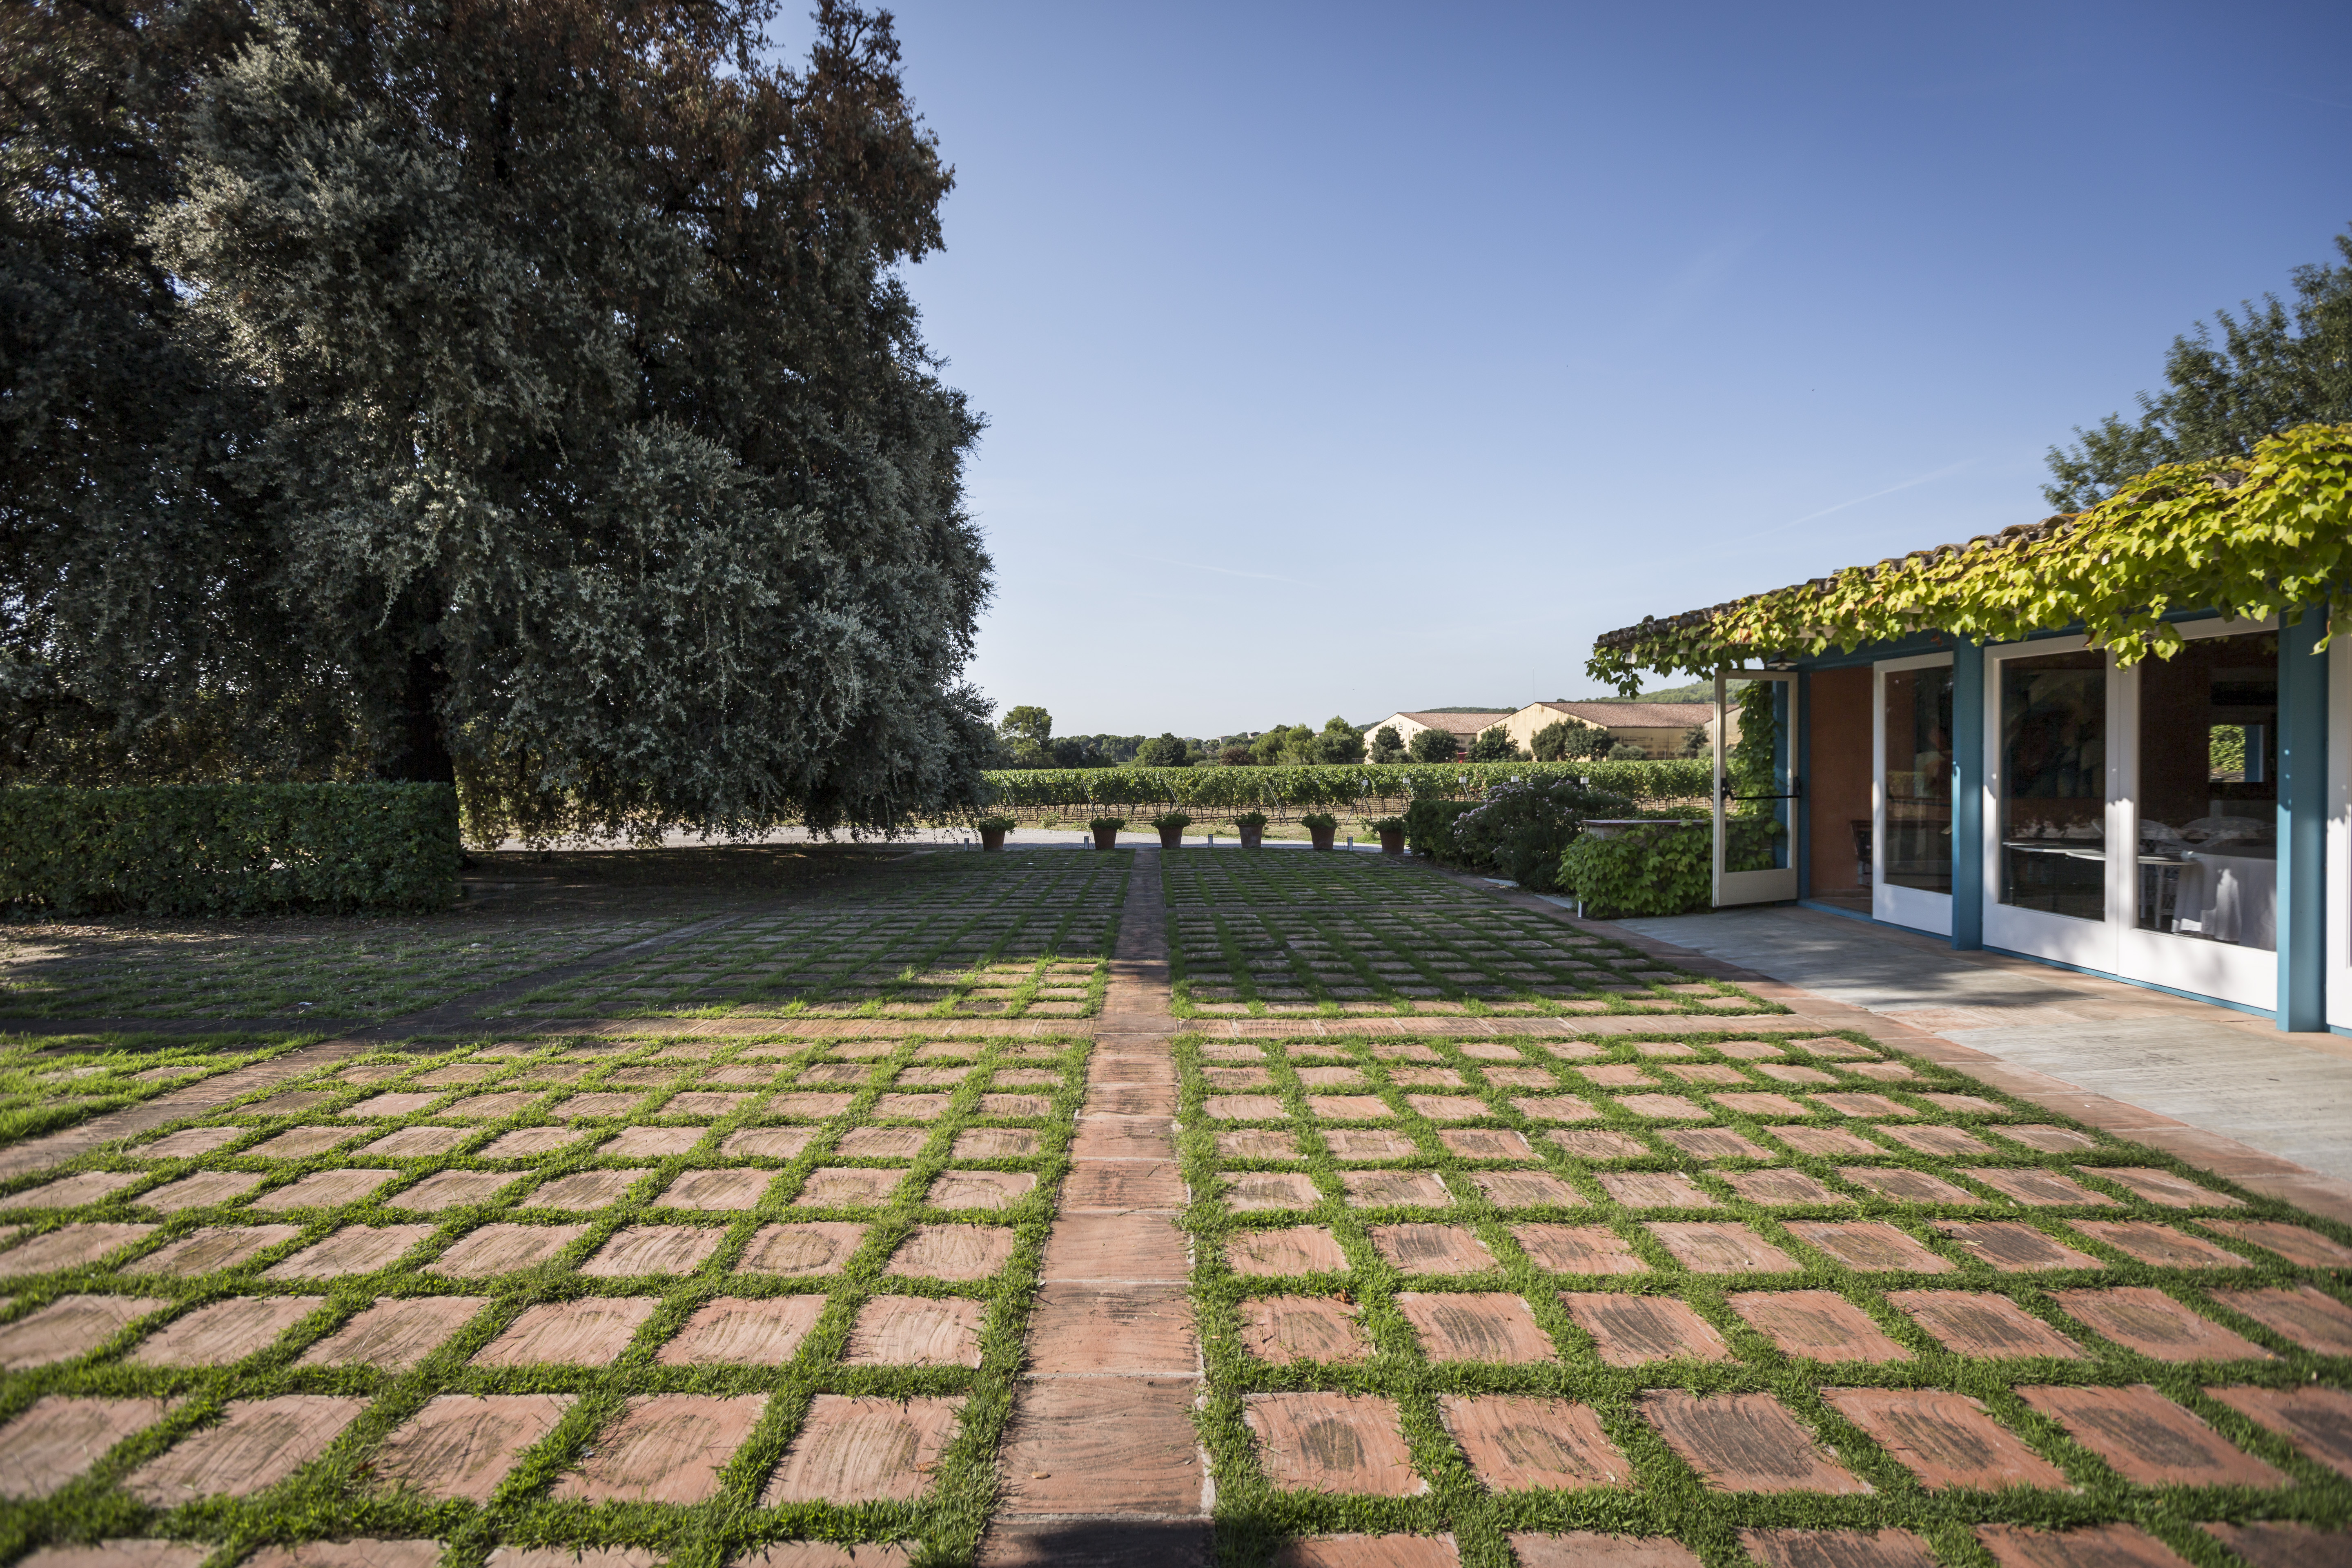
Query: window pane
{"x": 2209, "y": 791}
{"x": 1919, "y": 848}
{"x": 2054, "y": 783}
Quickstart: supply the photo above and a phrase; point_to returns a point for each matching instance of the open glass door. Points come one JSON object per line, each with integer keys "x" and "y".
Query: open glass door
{"x": 1756, "y": 787}
{"x": 1912, "y": 830}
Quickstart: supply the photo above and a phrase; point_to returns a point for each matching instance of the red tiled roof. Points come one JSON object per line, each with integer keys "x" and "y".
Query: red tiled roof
{"x": 1636, "y": 715}
{"x": 1458, "y": 723}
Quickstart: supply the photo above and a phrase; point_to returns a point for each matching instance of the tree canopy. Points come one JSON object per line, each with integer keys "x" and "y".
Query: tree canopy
{"x": 517, "y": 395}
{"x": 2271, "y": 369}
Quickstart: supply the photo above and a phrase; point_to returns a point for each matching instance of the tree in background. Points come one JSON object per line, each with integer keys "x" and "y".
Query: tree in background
{"x": 1388, "y": 746}
{"x": 1164, "y": 751}
{"x": 522, "y": 395}
{"x": 1027, "y": 728}
{"x": 1434, "y": 746}
{"x": 1563, "y": 741}
{"x": 2274, "y": 368}
{"x": 1492, "y": 745}
{"x": 1235, "y": 756}
{"x": 1339, "y": 742}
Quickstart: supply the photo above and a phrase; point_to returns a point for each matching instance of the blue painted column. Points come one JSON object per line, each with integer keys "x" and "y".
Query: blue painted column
{"x": 2303, "y": 825}
{"x": 1968, "y": 762}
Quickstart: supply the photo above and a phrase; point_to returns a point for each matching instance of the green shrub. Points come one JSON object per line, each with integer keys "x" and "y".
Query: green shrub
{"x": 1429, "y": 826}
{"x": 1563, "y": 741}
{"x": 1647, "y": 871}
{"x": 1434, "y": 746}
{"x": 1520, "y": 828}
{"x": 1175, "y": 819}
{"x": 238, "y": 850}
{"x": 1494, "y": 746}
{"x": 1388, "y": 825}
{"x": 1358, "y": 787}
{"x": 1249, "y": 821}
{"x": 1112, "y": 823}
{"x": 1388, "y": 746}
{"x": 997, "y": 824}
{"x": 1322, "y": 821}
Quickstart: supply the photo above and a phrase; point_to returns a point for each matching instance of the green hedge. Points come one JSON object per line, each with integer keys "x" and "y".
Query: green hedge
{"x": 178, "y": 849}
{"x": 1384, "y": 789}
{"x": 1660, "y": 870}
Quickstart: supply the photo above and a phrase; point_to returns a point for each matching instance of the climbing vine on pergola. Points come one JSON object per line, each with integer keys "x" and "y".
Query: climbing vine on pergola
{"x": 2262, "y": 535}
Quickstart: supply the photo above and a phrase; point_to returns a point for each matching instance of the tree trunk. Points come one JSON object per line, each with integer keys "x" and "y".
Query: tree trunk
{"x": 420, "y": 752}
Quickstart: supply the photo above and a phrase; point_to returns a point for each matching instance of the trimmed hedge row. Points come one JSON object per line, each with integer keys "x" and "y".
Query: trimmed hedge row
{"x": 178, "y": 849}
{"x": 1378, "y": 788}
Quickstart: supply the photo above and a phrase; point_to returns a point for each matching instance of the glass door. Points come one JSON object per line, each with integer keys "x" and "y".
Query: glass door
{"x": 2199, "y": 784}
{"x": 1756, "y": 787}
{"x": 2339, "y": 833}
{"x": 2051, "y": 732}
{"x": 1910, "y": 850}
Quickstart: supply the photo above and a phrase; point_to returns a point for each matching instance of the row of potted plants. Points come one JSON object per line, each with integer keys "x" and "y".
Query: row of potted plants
{"x": 1322, "y": 828}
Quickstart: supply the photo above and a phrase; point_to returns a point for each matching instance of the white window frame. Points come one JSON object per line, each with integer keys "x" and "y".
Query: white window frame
{"x": 2340, "y": 832}
{"x": 2088, "y": 944}
{"x": 1912, "y": 906}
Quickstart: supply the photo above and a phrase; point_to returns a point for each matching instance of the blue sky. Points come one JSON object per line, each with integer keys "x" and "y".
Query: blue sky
{"x": 1341, "y": 358}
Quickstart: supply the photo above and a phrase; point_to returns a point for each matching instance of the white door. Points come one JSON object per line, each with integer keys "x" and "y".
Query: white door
{"x": 2051, "y": 746}
{"x": 1756, "y": 787}
{"x": 1911, "y": 793}
{"x": 2339, "y": 833}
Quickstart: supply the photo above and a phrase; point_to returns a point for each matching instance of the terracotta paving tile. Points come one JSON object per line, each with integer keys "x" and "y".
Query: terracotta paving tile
{"x": 797, "y": 1251}
{"x": 2012, "y": 1247}
{"x": 1448, "y": 1107}
{"x": 1333, "y": 1078}
{"x": 911, "y": 1107}
{"x": 848, "y": 1186}
{"x": 378, "y": 1106}
{"x": 462, "y": 1446}
{"x": 2307, "y": 1315}
{"x": 1630, "y": 1331}
{"x": 916, "y": 1331}
{"x": 764, "y": 1331}
{"x": 2095, "y": 1546}
{"x": 1745, "y": 1443}
{"x": 2279, "y": 1543}
{"x": 960, "y": 1190}
{"x": 702, "y": 1102}
{"x": 1371, "y": 1189}
{"x": 1123, "y": 1137}
{"x": 492, "y": 1250}
{"x": 1123, "y": 1184}
{"x": 1616, "y": 1075}
{"x": 1763, "y": 1104}
{"x": 997, "y": 1143}
{"x": 1332, "y": 1443}
{"x": 1526, "y": 1189}
{"x": 882, "y": 1143}
{"x": 189, "y": 1142}
{"x": 1838, "y": 1548}
{"x": 2036, "y": 1189}
{"x": 1944, "y": 1438}
{"x": 952, "y": 1252}
{"x": 2294, "y": 1243}
{"x": 655, "y": 1250}
{"x": 2162, "y": 1187}
{"x": 1601, "y": 1144}
{"x": 652, "y": 1142}
{"x": 1244, "y": 1107}
{"x": 2162, "y": 1244}
{"x": 1117, "y": 1246}
{"x": 1366, "y": 1143}
{"x": 1282, "y": 1329}
{"x": 1476, "y": 1325}
{"x": 1782, "y": 1185}
{"x": 1591, "y": 1549}
{"x": 1817, "y": 1325}
{"x": 813, "y": 1107}
{"x": 491, "y": 1107}
{"x": 119, "y": 1554}
{"x": 1933, "y": 1140}
{"x": 1100, "y": 1101}
{"x": 1864, "y": 1104}
{"x": 223, "y": 1333}
{"x": 716, "y": 1190}
{"x": 1255, "y": 1191}
{"x": 1515, "y": 1442}
{"x": 416, "y": 1142}
{"x": 668, "y": 1448}
{"x": 769, "y": 1143}
{"x": 212, "y": 1248}
{"x": 599, "y": 1103}
{"x": 1905, "y": 1187}
{"x": 1716, "y": 1247}
{"x": 1143, "y": 1329}
{"x": 590, "y": 1332}
{"x": 72, "y": 1247}
{"x": 1713, "y": 1144}
{"x": 258, "y": 1443}
{"x": 1075, "y": 1442}
{"x": 1486, "y": 1143}
{"x": 1431, "y": 1248}
{"x": 1827, "y": 1141}
{"x": 324, "y": 1190}
{"x": 1664, "y": 1106}
{"x": 827, "y": 1554}
{"x": 525, "y": 1141}
{"x": 2145, "y": 1318}
{"x": 854, "y": 1450}
{"x": 202, "y": 1190}
{"x": 1350, "y": 1107}
{"x": 2318, "y": 1420}
{"x": 2149, "y": 1439}
{"x": 1981, "y": 1323}
{"x": 1578, "y": 1250}
{"x": 2050, "y": 1139}
{"x": 1871, "y": 1245}
{"x": 585, "y": 1189}
{"x": 1296, "y": 1249}
{"x": 362, "y": 1552}
{"x": 58, "y": 1439}
{"x": 1655, "y": 1189}
{"x": 1369, "y": 1552}
{"x": 394, "y": 1335}
{"x": 452, "y": 1189}
{"x": 1555, "y": 1108}
{"x": 573, "y": 1557}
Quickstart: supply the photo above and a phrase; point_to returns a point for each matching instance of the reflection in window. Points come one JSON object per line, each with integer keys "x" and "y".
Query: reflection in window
{"x": 2209, "y": 791}
{"x": 2054, "y": 783}
{"x": 1917, "y": 851}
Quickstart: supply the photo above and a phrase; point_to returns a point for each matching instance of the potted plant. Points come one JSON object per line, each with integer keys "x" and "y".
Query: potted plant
{"x": 1171, "y": 826}
{"x": 1105, "y": 831}
{"x": 1252, "y": 825}
{"x": 1391, "y": 831}
{"x": 992, "y": 830}
{"x": 1320, "y": 827}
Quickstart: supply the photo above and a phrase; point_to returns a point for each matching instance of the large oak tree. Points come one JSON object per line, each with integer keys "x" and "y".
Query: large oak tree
{"x": 517, "y": 391}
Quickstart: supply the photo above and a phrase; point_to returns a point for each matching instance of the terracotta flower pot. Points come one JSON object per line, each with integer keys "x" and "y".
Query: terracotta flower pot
{"x": 1323, "y": 836}
{"x": 1171, "y": 838}
{"x": 1392, "y": 840}
{"x": 1251, "y": 837}
{"x": 1106, "y": 837}
{"x": 992, "y": 838}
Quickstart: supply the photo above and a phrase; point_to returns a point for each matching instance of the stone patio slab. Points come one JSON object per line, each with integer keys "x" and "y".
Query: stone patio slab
{"x": 462, "y": 1446}
{"x": 447, "y": 1190}
{"x": 1137, "y": 1249}
{"x": 1710, "y": 1246}
{"x": 590, "y": 1332}
{"x": 324, "y": 1190}
{"x": 765, "y": 1332}
{"x": 1870, "y": 1244}
{"x": 1838, "y": 1548}
{"x": 1629, "y": 1331}
{"x": 59, "y": 1439}
{"x": 2012, "y": 1247}
{"x": 2092, "y": 1546}
{"x": 865, "y": 1449}
{"x": 257, "y": 1444}
{"x": 394, "y": 1335}
{"x": 586, "y": 1189}
{"x": 1348, "y": 1443}
{"x": 223, "y": 1333}
{"x": 716, "y": 1190}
